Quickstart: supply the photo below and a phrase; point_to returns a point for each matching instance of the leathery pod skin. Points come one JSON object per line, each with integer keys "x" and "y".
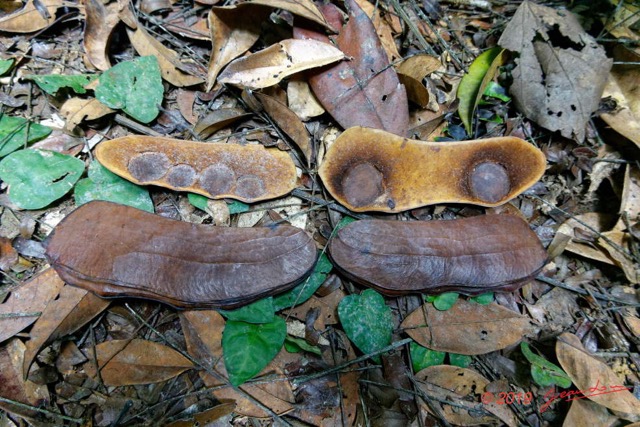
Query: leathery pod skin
{"x": 470, "y": 256}
{"x": 373, "y": 170}
{"x": 114, "y": 250}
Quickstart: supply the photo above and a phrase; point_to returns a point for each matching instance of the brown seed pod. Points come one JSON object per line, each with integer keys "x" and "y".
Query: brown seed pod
{"x": 372, "y": 170}
{"x": 115, "y": 250}
{"x": 471, "y": 255}
{"x": 245, "y": 172}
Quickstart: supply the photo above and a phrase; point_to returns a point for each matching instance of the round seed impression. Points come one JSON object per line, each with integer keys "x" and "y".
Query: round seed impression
{"x": 250, "y": 187}
{"x": 181, "y": 176}
{"x": 217, "y": 179}
{"x": 489, "y": 182}
{"x": 362, "y": 184}
{"x": 149, "y": 166}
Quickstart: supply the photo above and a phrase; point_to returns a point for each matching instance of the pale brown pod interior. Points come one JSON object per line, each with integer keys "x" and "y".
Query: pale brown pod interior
{"x": 372, "y": 170}
{"x": 248, "y": 173}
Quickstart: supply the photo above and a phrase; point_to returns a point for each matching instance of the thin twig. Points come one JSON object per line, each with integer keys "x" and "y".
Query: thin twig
{"x": 42, "y": 411}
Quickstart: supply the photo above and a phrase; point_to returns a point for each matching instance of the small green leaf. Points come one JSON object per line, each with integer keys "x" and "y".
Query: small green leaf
{"x": 105, "y": 185}
{"x": 5, "y": 65}
{"x": 445, "y": 301}
{"x": 460, "y": 360}
{"x": 134, "y": 86}
{"x": 304, "y": 290}
{"x": 367, "y": 321}
{"x": 544, "y": 373}
{"x": 495, "y": 90}
{"x": 13, "y": 133}
{"x": 473, "y": 84}
{"x": 261, "y": 311}
{"x": 198, "y": 201}
{"x": 484, "y": 299}
{"x": 236, "y": 207}
{"x": 52, "y": 83}
{"x": 37, "y": 178}
{"x": 248, "y": 348}
{"x": 422, "y": 357}
{"x": 296, "y": 345}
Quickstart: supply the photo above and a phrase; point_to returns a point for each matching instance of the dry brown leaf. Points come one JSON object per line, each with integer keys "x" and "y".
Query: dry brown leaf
{"x": 557, "y": 85}
{"x": 630, "y": 200}
{"x": 289, "y": 122}
{"x": 12, "y": 384}
{"x": 623, "y": 22}
{"x": 185, "y": 99}
{"x": 234, "y": 29}
{"x": 304, "y": 8}
{"x": 594, "y": 379}
{"x": 168, "y": 59}
{"x": 100, "y": 21}
{"x": 30, "y": 298}
{"x": 218, "y": 119}
{"x": 207, "y": 417}
{"x": 419, "y": 66}
{"x": 586, "y": 413}
{"x": 465, "y": 387}
{"x": 77, "y": 110}
{"x": 327, "y": 305}
{"x": 126, "y": 14}
{"x": 466, "y": 328}
{"x": 132, "y": 362}
{"x": 73, "y": 308}
{"x": 8, "y": 255}
{"x": 383, "y": 29}
{"x": 29, "y": 19}
{"x": 193, "y": 27}
{"x": 269, "y": 66}
{"x": 302, "y": 101}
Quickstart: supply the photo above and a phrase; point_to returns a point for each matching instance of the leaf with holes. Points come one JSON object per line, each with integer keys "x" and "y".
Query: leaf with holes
{"x": 367, "y": 321}
{"x": 133, "y": 86}
{"x": 37, "y": 178}
{"x": 248, "y": 347}
{"x": 104, "y": 185}
{"x": 16, "y": 132}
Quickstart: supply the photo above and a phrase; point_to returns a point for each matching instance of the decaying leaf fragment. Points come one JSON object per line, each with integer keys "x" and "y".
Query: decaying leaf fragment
{"x": 30, "y": 18}
{"x": 244, "y": 172}
{"x": 179, "y": 263}
{"x": 561, "y": 71}
{"x": 372, "y": 170}
{"x": 100, "y": 21}
{"x": 471, "y": 255}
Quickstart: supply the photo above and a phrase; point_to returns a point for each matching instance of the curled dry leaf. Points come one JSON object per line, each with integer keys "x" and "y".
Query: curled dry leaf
{"x": 245, "y": 172}
{"x": 556, "y": 84}
{"x": 234, "y": 29}
{"x": 269, "y": 66}
{"x": 466, "y": 328}
{"x": 168, "y": 59}
{"x": 30, "y": 19}
{"x": 304, "y": 8}
{"x": 77, "y": 110}
{"x": 464, "y": 387}
{"x": 364, "y": 91}
{"x": 302, "y": 101}
{"x": 178, "y": 263}
{"x": 472, "y": 255}
{"x": 289, "y": 122}
{"x": 100, "y": 21}
{"x": 132, "y": 362}
{"x": 372, "y": 170}
{"x": 25, "y": 303}
{"x": 594, "y": 379}
{"x": 218, "y": 119}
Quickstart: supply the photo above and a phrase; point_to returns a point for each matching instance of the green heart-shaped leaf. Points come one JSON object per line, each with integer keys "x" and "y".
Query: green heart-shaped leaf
{"x": 13, "y": 133}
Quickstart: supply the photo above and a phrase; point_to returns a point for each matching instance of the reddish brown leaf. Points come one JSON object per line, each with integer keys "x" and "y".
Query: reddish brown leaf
{"x": 19, "y": 310}
{"x": 8, "y": 255}
{"x": 185, "y": 100}
{"x": 131, "y": 362}
{"x": 364, "y": 91}
{"x": 72, "y": 309}
{"x": 100, "y": 21}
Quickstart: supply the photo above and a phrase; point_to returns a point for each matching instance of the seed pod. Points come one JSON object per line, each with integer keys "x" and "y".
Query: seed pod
{"x": 115, "y": 250}
{"x": 245, "y": 172}
{"x": 372, "y": 170}
{"x": 471, "y": 256}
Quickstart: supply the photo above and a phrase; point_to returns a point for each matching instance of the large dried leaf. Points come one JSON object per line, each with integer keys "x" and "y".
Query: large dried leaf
{"x": 561, "y": 71}
{"x": 594, "y": 378}
{"x": 586, "y": 413}
{"x": 466, "y": 328}
{"x": 168, "y": 59}
{"x": 289, "y": 122}
{"x": 269, "y": 66}
{"x": 14, "y": 387}
{"x": 372, "y": 170}
{"x": 30, "y": 19}
{"x": 176, "y": 262}
{"x": 100, "y": 21}
{"x": 131, "y": 362}
{"x": 66, "y": 314}
{"x": 24, "y": 305}
{"x": 364, "y": 91}
{"x": 249, "y": 173}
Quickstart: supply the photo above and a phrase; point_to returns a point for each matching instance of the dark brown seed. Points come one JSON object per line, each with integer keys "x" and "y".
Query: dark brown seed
{"x": 150, "y": 166}
{"x": 181, "y": 176}
{"x": 218, "y": 179}
{"x": 249, "y": 187}
{"x": 115, "y": 250}
{"x": 362, "y": 184}
{"x": 489, "y": 182}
